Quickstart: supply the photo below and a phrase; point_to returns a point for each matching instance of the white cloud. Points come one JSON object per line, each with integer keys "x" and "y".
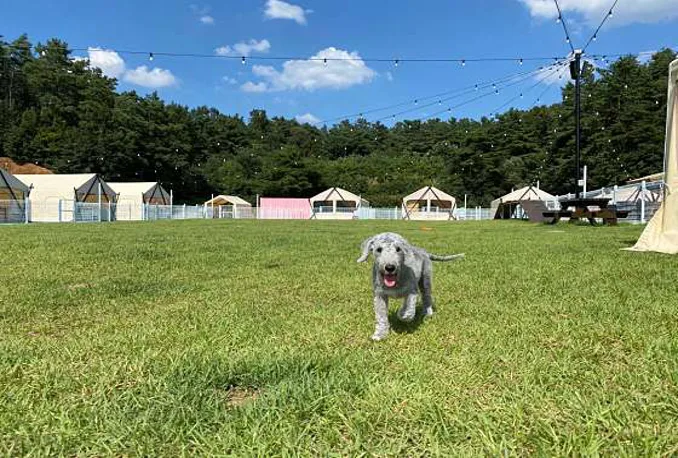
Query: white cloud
{"x": 310, "y": 75}
{"x": 277, "y": 9}
{"x": 244, "y": 48}
{"x": 389, "y": 76}
{"x": 229, "y": 80}
{"x": 254, "y": 87}
{"x": 593, "y": 11}
{"x": 207, "y": 19}
{"x": 151, "y": 78}
{"x": 110, "y": 62}
{"x": 114, "y": 66}
{"x": 307, "y": 118}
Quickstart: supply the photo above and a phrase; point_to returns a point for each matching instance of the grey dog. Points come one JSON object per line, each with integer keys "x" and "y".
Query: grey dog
{"x": 400, "y": 270}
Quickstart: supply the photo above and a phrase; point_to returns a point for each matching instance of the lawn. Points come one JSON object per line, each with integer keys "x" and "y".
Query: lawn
{"x": 252, "y": 338}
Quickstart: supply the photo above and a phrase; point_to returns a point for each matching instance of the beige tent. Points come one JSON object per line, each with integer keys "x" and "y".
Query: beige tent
{"x": 229, "y": 207}
{"x": 648, "y": 178}
{"x": 661, "y": 233}
{"x": 13, "y": 195}
{"x": 133, "y": 196}
{"x": 56, "y": 197}
{"x": 429, "y": 203}
{"x": 631, "y": 195}
{"x": 527, "y": 202}
{"x": 336, "y": 203}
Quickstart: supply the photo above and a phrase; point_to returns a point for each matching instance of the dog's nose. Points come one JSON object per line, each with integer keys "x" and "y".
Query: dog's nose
{"x": 390, "y": 268}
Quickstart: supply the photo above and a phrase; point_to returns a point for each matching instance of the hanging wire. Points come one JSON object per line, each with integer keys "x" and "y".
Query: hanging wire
{"x": 540, "y": 81}
{"x": 595, "y": 34}
{"x": 523, "y": 77}
{"x": 440, "y": 97}
{"x": 561, "y": 19}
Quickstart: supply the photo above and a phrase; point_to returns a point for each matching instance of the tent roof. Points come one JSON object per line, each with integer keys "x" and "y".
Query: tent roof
{"x": 654, "y": 177}
{"x": 129, "y": 188}
{"x": 526, "y": 193}
{"x": 429, "y": 192}
{"x": 7, "y": 179}
{"x": 57, "y": 186}
{"x": 233, "y": 200}
{"x": 337, "y": 194}
{"x": 633, "y": 194}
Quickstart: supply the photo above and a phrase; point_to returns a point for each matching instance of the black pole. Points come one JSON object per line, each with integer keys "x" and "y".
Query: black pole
{"x": 577, "y": 119}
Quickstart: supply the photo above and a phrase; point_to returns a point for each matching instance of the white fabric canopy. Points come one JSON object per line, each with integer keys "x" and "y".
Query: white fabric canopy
{"x": 430, "y": 193}
{"x": 661, "y": 233}
{"x": 52, "y": 195}
{"x": 228, "y": 200}
{"x": 140, "y": 192}
{"x": 336, "y": 194}
{"x": 526, "y": 193}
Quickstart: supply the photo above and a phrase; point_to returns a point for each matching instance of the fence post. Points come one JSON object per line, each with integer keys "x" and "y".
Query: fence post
{"x": 109, "y": 211}
{"x": 614, "y": 194}
{"x": 99, "y": 200}
{"x": 184, "y": 216}
{"x": 26, "y": 209}
{"x": 59, "y": 209}
{"x": 643, "y": 188}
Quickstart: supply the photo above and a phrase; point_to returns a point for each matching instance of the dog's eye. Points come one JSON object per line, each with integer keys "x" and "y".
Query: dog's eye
{"x": 378, "y": 250}
{"x": 398, "y": 249}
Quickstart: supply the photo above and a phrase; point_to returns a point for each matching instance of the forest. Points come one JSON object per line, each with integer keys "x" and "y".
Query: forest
{"x": 57, "y": 112}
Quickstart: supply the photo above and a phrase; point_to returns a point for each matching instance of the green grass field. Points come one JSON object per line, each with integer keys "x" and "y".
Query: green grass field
{"x": 252, "y": 338}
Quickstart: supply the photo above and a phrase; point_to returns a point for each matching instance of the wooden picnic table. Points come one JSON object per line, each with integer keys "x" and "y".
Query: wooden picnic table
{"x": 587, "y": 208}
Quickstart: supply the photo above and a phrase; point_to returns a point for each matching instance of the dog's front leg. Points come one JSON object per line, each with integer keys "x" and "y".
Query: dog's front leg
{"x": 409, "y": 308}
{"x": 381, "y": 315}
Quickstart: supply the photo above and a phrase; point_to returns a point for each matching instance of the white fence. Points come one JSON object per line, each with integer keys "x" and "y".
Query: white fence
{"x": 640, "y": 200}
{"x": 13, "y": 211}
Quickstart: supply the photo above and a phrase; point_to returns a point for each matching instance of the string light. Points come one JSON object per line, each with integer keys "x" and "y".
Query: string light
{"x": 325, "y": 62}
{"x": 463, "y": 63}
{"x": 150, "y": 56}
{"x": 243, "y": 60}
{"x": 520, "y": 61}
{"x": 396, "y": 62}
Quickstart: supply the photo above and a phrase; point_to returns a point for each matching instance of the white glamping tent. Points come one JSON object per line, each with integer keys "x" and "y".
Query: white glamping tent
{"x": 661, "y": 233}
{"x": 54, "y": 197}
{"x": 133, "y": 196}
{"x": 336, "y": 203}
{"x": 429, "y": 203}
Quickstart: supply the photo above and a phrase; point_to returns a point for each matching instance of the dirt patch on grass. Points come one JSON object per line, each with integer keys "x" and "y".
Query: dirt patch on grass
{"x": 238, "y": 396}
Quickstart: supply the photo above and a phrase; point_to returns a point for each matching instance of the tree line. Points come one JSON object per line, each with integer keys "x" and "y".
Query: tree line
{"x": 59, "y": 113}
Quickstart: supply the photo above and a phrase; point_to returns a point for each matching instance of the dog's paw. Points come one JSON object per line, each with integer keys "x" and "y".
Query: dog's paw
{"x": 377, "y": 336}
{"x": 406, "y": 315}
{"x": 428, "y": 313}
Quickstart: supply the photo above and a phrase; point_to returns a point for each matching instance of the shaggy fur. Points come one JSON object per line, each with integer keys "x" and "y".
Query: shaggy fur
{"x": 400, "y": 270}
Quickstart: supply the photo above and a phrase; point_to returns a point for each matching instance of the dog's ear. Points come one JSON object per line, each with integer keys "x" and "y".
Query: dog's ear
{"x": 366, "y": 248}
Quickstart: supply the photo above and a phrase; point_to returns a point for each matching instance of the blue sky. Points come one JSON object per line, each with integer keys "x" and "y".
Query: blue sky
{"x": 368, "y": 29}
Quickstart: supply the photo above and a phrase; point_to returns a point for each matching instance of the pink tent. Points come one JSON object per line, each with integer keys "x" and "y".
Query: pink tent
{"x": 284, "y": 208}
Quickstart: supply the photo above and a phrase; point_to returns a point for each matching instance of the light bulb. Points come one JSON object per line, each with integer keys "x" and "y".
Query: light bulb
{"x": 396, "y": 62}
{"x": 463, "y": 63}
{"x": 243, "y": 60}
{"x": 325, "y": 62}
{"x": 520, "y": 62}
{"x": 150, "y": 56}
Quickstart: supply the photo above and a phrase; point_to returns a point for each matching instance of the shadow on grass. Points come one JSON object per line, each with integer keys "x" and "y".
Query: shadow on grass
{"x": 403, "y": 327}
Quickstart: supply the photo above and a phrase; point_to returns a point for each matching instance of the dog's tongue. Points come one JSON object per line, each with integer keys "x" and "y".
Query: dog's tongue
{"x": 389, "y": 280}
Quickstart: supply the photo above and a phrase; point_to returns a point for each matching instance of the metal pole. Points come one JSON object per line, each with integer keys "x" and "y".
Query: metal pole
{"x": 577, "y": 116}
{"x": 464, "y": 207}
{"x": 643, "y": 188}
{"x": 171, "y": 204}
{"x": 99, "y": 200}
{"x": 26, "y": 209}
{"x": 585, "y": 171}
